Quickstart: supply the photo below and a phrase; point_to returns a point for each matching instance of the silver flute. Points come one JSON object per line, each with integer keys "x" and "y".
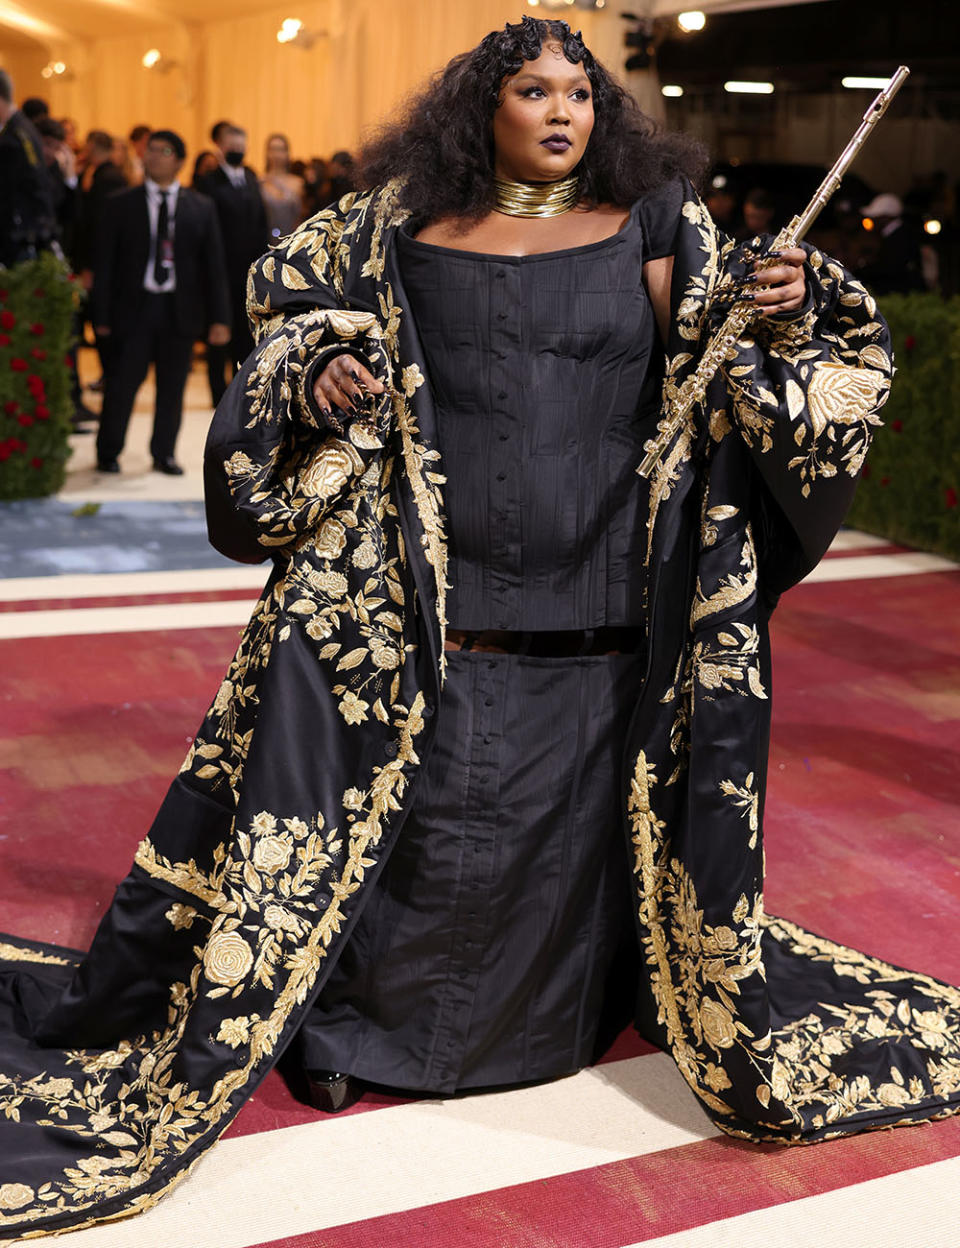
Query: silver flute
{"x": 723, "y": 343}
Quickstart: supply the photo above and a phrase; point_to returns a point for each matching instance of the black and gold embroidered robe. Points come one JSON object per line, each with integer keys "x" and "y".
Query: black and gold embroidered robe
{"x": 118, "y": 1069}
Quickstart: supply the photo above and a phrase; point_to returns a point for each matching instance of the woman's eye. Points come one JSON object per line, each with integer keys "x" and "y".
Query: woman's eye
{"x": 530, "y": 91}
{"x": 581, "y": 94}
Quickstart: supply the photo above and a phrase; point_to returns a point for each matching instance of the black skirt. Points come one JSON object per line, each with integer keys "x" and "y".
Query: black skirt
{"x": 498, "y": 945}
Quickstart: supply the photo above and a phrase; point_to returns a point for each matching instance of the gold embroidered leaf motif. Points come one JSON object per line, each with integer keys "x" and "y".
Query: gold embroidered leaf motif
{"x": 353, "y": 659}
{"x": 292, "y": 278}
{"x": 303, "y": 606}
{"x": 723, "y": 512}
{"x": 796, "y": 399}
{"x": 843, "y": 394}
{"x": 875, "y": 357}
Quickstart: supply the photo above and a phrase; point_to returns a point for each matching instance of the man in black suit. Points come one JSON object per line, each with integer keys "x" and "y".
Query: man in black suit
{"x": 235, "y": 191}
{"x": 27, "y": 222}
{"x": 101, "y": 178}
{"x": 160, "y": 284}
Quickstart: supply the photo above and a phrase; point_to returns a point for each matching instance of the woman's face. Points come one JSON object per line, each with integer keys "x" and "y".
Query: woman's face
{"x": 277, "y": 154}
{"x": 544, "y": 120}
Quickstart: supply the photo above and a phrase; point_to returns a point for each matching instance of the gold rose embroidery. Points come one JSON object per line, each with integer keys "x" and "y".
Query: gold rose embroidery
{"x": 227, "y": 959}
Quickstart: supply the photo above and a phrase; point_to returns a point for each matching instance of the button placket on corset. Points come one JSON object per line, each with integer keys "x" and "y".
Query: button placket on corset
{"x": 505, "y": 406}
{"x": 478, "y": 857}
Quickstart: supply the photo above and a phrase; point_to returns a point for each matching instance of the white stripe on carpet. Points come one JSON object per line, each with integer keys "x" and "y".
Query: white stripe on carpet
{"x": 337, "y": 1170}
{"x": 75, "y": 621}
{"x": 107, "y": 584}
{"x": 864, "y": 567}
{"x": 185, "y": 615}
{"x": 917, "y": 1208}
{"x": 853, "y": 539}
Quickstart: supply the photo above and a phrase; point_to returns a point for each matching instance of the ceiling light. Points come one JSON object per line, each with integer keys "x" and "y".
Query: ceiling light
{"x": 749, "y": 88}
{"x": 871, "y": 84}
{"x": 671, "y": 91}
{"x": 150, "y": 58}
{"x": 695, "y": 19}
{"x": 933, "y": 226}
{"x": 290, "y": 27}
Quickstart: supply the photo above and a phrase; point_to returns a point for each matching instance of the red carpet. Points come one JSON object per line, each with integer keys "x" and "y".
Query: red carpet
{"x": 863, "y": 843}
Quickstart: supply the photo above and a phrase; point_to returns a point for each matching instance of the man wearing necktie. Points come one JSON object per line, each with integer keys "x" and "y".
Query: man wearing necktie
{"x": 160, "y": 284}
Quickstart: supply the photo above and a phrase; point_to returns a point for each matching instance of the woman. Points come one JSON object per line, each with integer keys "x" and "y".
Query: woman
{"x": 282, "y": 190}
{"x": 205, "y": 163}
{"x": 389, "y": 757}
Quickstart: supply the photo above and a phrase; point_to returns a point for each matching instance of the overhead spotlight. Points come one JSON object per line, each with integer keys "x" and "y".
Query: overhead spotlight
{"x": 290, "y": 27}
{"x": 151, "y": 58}
{"x": 671, "y": 91}
{"x": 694, "y": 19}
{"x": 868, "y": 223}
{"x": 933, "y": 226}
{"x": 749, "y": 88}
{"x": 55, "y": 69}
{"x": 293, "y": 31}
{"x": 870, "y": 84}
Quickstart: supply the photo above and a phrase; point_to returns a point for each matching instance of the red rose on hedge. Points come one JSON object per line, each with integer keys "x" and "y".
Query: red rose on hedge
{"x": 36, "y": 462}
{"x": 37, "y": 328}
{"x": 951, "y": 496}
{"x": 39, "y": 293}
{"x": 34, "y": 383}
{"x": 11, "y": 407}
{"x": 866, "y": 471}
{"x": 41, "y": 412}
{"x": 18, "y": 365}
{"x": 909, "y": 342}
{"x": 896, "y": 425}
{"x": 25, "y": 420}
{"x": 7, "y": 319}
{"x": 4, "y": 340}
{"x": 38, "y": 353}
{"x": 884, "y": 480}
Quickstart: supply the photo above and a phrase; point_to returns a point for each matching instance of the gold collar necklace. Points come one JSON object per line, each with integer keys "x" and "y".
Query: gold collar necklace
{"x": 536, "y": 199}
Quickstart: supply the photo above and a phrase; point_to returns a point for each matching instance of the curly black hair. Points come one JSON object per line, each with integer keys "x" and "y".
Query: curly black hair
{"x": 433, "y": 146}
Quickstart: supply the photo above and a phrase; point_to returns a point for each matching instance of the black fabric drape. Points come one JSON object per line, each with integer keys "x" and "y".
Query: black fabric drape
{"x": 125, "y": 1065}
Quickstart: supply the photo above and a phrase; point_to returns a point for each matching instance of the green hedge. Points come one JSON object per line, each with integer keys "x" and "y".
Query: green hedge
{"x": 909, "y": 491}
{"x": 37, "y": 302}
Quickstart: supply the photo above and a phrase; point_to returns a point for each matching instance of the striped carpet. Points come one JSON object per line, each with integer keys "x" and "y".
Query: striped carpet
{"x": 105, "y": 675}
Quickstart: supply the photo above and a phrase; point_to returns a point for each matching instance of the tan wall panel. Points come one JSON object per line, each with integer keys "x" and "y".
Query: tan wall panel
{"x": 374, "y": 53}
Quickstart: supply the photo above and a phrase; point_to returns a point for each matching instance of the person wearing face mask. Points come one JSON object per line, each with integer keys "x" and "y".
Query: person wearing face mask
{"x": 235, "y": 191}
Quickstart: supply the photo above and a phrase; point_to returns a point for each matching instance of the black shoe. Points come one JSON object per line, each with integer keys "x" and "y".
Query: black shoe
{"x": 168, "y": 466}
{"x": 107, "y": 465}
{"x": 331, "y": 1091}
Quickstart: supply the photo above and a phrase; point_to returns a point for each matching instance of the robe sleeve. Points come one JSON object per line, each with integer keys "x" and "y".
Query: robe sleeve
{"x": 273, "y": 467}
{"x": 801, "y": 390}
{"x": 804, "y": 392}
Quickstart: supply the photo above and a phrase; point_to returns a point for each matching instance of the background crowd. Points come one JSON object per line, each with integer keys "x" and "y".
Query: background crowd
{"x": 161, "y": 241}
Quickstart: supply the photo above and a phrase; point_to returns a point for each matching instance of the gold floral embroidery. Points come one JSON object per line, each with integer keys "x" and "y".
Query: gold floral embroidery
{"x": 20, "y": 953}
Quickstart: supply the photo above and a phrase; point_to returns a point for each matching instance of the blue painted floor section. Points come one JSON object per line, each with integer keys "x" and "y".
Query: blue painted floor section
{"x": 45, "y": 537}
